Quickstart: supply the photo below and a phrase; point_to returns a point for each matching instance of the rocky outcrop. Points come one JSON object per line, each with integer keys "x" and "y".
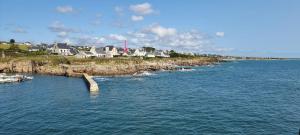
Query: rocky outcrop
{"x": 31, "y": 66}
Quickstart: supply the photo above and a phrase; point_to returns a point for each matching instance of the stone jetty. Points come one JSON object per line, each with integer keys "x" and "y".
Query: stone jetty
{"x": 93, "y": 86}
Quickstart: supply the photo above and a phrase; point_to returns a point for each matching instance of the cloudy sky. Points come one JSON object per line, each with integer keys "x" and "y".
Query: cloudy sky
{"x": 232, "y": 27}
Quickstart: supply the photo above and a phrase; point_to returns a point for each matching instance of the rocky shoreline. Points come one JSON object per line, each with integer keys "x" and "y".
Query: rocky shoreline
{"x": 92, "y": 68}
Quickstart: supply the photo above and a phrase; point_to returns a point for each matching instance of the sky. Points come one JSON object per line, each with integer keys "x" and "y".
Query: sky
{"x": 265, "y": 28}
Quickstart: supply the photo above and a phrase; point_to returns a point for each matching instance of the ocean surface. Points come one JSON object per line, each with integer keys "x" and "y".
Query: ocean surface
{"x": 235, "y": 98}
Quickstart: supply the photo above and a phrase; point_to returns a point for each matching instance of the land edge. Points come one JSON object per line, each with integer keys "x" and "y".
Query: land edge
{"x": 93, "y": 69}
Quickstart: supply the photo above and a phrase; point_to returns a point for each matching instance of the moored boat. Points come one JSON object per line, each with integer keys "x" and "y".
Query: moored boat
{"x": 13, "y": 78}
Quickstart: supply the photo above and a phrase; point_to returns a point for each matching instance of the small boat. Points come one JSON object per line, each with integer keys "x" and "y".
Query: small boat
{"x": 13, "y": 78}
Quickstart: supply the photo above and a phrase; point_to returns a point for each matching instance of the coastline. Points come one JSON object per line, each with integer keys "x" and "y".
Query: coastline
{"x": 71, "y": 67}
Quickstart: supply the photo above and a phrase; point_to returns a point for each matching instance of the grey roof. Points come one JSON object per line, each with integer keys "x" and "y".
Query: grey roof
{"x": 87, "y": 52}
{"x": 159, "y": 52}
{"x": 73, "y": 50}
{"x": 50, "y": 46}
{"x": 120, "y": 49}
{"x": 110, "y": 47}
{"x": 63, "y": 46}
{"x": 100, "y": 50}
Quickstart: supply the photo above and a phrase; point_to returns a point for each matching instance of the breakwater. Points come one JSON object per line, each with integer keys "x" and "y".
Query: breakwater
{"x": 93, "y": 86}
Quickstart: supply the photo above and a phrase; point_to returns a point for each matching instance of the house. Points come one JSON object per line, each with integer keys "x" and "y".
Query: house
{"x": 27, "y": 43}
{"x": 140, "y": 52}
{"x": 4, "y": 42}
{"x": 161, "y": 54}
{"x": 130, "y": 51}
{"x": 34, "y": 48}
{"x": 111, "y": 51}
{"x": 84, "y": 54}
{"x": 150, "y": 55}
{"x": 63, "y": 49}
{"x": 98, "y": 52}
{"x": 189, "y": 53}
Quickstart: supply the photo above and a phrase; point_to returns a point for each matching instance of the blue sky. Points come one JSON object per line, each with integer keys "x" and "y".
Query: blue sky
{"x": 232, "y": 27}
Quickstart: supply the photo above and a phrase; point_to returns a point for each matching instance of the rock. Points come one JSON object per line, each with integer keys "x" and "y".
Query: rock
{"x": 107, "y": 69}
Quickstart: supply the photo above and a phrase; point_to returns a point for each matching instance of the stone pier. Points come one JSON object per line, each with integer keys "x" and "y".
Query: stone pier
{"x": 93, "y": 86}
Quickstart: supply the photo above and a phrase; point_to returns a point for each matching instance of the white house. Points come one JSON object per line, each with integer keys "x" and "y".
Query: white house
{"x": 162, "y": 54}
{"x": 34, "y": 49}
{"x": 63, "y": 49}
{"x": 84, "y": 54}
{"x": 27, "y": 43}
{"x": 139, "y": 52}
{"x": 111, "y": 51}
{"x": 150, "y": 55}
{"x": 98, "y": 52}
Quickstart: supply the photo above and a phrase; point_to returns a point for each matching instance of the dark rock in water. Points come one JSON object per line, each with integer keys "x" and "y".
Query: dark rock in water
{"x": 183, "y": 68}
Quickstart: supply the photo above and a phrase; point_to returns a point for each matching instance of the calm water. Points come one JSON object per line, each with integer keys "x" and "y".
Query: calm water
{"x": 247, "y": 97}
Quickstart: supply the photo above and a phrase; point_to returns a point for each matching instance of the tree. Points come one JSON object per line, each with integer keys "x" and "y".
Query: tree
{"x": 173, "y": 53}
{"x": 149, "y": 49}
{"x": 13, "y": 47}
{"x": 12, "y": 41}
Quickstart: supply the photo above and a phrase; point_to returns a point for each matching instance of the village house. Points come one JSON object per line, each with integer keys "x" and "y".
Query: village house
{"x": 111, "y": 51}
{"x": 4, "y": 43}
{"x": 161, "y": 54}
{"x": 98, "y": 52}
{"x": 130, "y": 52}
{"x": 140, "y": 52}
{"x": 63, "y": 49}
{"x": 27, "y": 43}
{"x": 84, "y": 54}
{"x": 33, "y": 48}
{"x": 150, "y": 55}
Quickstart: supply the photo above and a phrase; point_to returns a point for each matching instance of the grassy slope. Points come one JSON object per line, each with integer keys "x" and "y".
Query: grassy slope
{"x": 56, "y": 60}
{"x": 7, "y": 46}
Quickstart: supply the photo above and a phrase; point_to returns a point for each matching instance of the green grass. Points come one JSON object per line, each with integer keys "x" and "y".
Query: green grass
{"x": 7, "y": 46}
{"x": 55, "y": 60}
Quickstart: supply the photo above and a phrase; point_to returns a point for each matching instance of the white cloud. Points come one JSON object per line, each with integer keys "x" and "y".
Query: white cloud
{"x": 61, "y": 29}
{"x": 220, "y": 34}
{"x": 161, "y": 31}
{"x": 137, "y": 18}
{"x": 98, "y": 15}
{"x": 119, "y": 10}
{"x": 169, "y": 38}
{"x": 89, "y": 40}
{"x": 189, "y": 40}
{"x": 159, "y": 37}
{"x": 97, "y": 20}
{"x": 65, "y": 9}
{"x": 19, "y": 30}
{"x": 58, "y": 26}
{"x": 142, "y": 9}
{"x": 117, "y": 37}
{"x": 67, "y": 40}
{"x": 62, "y": 34}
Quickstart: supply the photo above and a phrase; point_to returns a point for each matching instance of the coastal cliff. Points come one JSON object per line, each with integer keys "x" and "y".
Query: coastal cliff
{"x": 102, "y": 67}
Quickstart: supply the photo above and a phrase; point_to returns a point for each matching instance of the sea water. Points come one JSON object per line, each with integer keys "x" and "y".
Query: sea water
{"x": 242, "y": 97}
